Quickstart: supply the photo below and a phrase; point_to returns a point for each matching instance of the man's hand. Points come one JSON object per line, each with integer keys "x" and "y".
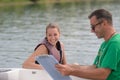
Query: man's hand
{"x": 64, "y": 69}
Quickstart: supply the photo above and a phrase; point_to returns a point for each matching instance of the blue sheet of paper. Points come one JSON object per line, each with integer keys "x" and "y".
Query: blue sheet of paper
{"x": 48, "y": 62}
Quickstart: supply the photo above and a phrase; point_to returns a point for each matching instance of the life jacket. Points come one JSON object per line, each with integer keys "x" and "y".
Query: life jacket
{"x": 55, "y": 51}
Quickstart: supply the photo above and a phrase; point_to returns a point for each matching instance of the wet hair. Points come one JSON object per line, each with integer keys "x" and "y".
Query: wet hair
{"x": 102, "y": 14}
{"x": 52, "y": 25}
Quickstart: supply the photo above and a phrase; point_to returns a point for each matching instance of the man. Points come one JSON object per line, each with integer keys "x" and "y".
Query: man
{"x": 107, "y": 63}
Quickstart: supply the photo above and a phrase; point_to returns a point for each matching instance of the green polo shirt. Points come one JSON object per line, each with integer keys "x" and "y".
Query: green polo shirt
{"x": 109, "y": 57}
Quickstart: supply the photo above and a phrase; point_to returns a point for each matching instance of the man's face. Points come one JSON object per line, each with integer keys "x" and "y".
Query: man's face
{"x": 96, "y": 27}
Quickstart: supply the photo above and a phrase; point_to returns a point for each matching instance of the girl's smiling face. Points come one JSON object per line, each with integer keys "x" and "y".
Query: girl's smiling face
{"x": 52, "y": 35}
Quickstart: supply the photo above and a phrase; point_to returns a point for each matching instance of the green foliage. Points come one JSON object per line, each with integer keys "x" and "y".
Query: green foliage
{"x": 13, "y": 0}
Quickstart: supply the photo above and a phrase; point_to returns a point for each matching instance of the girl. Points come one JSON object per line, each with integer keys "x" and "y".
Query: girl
{"x": 50, "y": 46}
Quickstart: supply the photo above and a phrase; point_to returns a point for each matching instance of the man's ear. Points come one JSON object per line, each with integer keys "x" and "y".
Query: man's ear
{"x": 105, "y": 22}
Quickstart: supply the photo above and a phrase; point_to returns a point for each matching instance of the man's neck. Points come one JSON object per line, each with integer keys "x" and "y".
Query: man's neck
{"x": 109, "y": 35}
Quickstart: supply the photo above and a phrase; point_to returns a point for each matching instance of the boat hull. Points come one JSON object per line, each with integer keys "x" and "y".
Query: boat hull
{"x": 26, "y": 74}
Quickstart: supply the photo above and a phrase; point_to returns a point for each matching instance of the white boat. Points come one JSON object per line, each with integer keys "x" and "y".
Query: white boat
{"x": 26, "y": 74}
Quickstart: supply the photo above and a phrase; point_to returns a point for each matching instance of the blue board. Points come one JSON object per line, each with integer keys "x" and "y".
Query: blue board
{"x": 48, "y": 62}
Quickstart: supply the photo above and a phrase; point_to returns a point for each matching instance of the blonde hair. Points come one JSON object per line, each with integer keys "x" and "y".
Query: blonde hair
{"x": 53, "y": 25}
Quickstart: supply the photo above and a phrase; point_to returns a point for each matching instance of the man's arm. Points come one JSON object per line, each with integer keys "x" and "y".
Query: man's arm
{"x": 89, "y": 72}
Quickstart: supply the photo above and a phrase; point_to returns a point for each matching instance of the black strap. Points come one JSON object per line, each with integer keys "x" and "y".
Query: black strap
{"x": 58, "y": 45}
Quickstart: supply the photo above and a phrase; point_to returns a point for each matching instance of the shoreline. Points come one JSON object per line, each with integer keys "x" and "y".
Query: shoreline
{"x": 47, "y": 2}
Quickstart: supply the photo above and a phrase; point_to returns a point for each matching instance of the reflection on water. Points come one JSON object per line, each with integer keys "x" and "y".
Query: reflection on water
{"x": 22, "y": 27}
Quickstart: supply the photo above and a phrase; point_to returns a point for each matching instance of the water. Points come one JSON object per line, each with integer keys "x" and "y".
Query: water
{"x": 22, "y": 27}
